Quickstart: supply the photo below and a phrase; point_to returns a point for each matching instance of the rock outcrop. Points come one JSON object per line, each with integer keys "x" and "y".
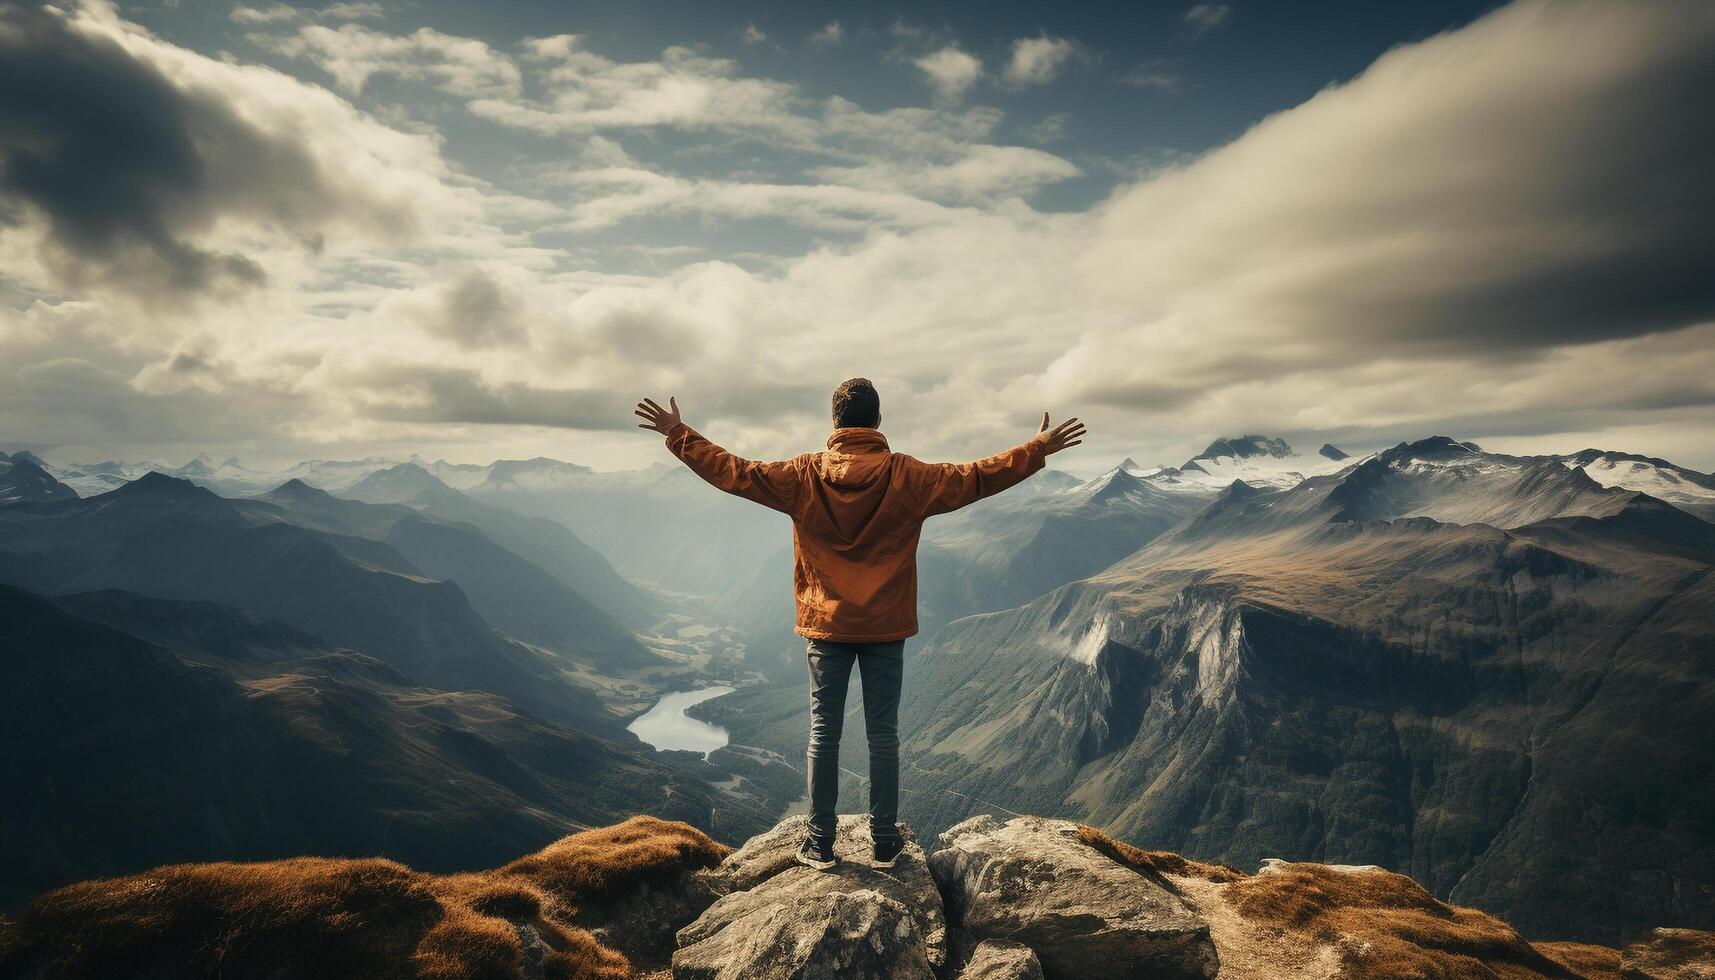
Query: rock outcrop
{"x": 777, "y": 918}
{"x": 1001, "y": 959}
{"x": 1035, "y": 881}
{"x": 1025, "y": 899}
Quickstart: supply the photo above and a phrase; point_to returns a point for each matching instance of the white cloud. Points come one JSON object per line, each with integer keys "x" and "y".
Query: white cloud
{"x": 1514, "y": 187}
{"x": 1204, "y": 17}
{"x": 353, "y": 54}
{"x": 1511, "y": 212}
{"x": 981, "y": 173}
{"x": 620, "y": 194}
{"x": 1037, "y": 60}
{"x": 587, "y": 91}
{"x": 753, "y": 35}
{"x": 830, "y": 35}
{"x": 1162, "y": 81}
{"x": 951, "y": 70}
{"x": 278, "y": 13}
{"x": 1051, "y": 129}
{"x": 277, "y": 169}
{"x": 361, "y": 10}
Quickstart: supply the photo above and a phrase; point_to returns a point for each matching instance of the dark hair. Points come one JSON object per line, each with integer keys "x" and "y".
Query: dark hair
{"x": 856, "y": 404}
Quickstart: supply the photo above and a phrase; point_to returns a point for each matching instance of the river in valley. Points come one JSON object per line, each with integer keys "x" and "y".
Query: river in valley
{"x": 666, "y": 726}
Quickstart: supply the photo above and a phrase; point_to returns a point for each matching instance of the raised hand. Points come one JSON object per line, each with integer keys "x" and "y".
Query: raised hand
{"x": 657, "y": 418}
{"x": 1063, "y": 436}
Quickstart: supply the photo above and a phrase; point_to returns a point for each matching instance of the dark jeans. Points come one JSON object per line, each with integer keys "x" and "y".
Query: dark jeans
{"x": 883, "y": 669}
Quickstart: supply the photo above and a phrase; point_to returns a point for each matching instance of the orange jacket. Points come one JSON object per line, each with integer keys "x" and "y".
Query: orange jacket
{"x": 857, "y": 510}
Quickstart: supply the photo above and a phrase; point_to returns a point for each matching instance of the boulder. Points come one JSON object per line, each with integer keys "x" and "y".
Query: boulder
{"x": 1034, "y": 881}
{"x": 1670, "y": 954}
{"x": 1000, "y": 959}
{"x": 777, "y": 918}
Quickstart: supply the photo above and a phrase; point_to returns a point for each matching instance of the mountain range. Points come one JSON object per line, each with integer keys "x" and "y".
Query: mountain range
{"x": 1434, "y": 658}
{"x": 1440, "y": 660}
{"x": 163, "y": 731}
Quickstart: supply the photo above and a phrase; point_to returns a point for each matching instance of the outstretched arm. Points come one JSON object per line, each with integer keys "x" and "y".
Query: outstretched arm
{"x": 953, "y": 485}
{"x": 772, "y": 485}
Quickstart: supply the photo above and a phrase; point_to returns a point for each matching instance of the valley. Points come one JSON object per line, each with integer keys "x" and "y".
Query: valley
{"x": 1431, "y": 658}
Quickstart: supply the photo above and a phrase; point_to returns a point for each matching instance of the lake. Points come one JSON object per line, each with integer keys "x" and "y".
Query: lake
{"x": 666, "y": 726}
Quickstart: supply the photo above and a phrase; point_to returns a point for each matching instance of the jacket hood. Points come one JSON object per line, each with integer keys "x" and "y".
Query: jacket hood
{"x": 855, "y": 458}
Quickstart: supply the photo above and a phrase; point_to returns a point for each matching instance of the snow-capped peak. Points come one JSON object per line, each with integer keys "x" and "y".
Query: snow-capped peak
{"x": 1260, "y": 461}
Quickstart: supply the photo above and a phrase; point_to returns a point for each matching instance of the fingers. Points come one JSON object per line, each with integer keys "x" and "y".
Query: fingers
{"x": 1044, "y": 423}
{"x": 673, "y": 401}
{"x": 1068, "y": 433}
{"x": 651, "y": 413}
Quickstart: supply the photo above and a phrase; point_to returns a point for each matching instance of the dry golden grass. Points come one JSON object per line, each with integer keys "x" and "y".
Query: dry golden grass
{"x": 1386, "y": 925}
{"x": 326, "y": 917}
{"x": 1160, "y": 862}
{"x": 1584, "y": 960}
{"x": 1671, "y": 952}
{"x": 597, "y": 863}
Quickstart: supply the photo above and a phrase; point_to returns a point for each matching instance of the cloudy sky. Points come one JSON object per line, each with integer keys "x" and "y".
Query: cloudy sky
{"x": 481, "y": 230}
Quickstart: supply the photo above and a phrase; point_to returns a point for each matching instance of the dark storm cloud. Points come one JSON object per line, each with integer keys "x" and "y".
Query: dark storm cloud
{"x": 128, "y": 169}
{"x": 1537, "y": 179}
{"x": 75, "y": 400}
{"x": 426, "y": 393}
{"x": 477, "y": 311}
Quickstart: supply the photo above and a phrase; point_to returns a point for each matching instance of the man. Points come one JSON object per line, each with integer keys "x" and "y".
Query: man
{"x": 857, "y": 510}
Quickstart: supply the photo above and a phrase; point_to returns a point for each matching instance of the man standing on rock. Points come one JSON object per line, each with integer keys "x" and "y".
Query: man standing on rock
{"x": 857, "y": 510}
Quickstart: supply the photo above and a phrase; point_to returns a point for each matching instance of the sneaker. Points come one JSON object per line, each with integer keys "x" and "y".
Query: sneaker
{"x": 818, "y": 854}
{"x": 885, "y": 853}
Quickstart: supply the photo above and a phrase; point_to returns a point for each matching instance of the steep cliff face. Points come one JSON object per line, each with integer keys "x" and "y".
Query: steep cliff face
{"x": 1465, "y": 703}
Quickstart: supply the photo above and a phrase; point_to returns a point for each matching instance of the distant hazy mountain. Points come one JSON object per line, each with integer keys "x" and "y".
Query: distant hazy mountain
{"x": 139, "y": 732}
{"x": 1488, "y": 671}
{"x": 545, "y": 542}
{"x": 448, "y": 536}
{"x": 554, "y": 547}
{"x": 1678, "y": 485}
{"x": 169, "y": 538}
{"x": 662, "y": 524}
{"x": 1013, "y": 548}
{"x": 394, "y": 485}
{"x": 1261, "y": 461}
{"x": 23, "y": 479}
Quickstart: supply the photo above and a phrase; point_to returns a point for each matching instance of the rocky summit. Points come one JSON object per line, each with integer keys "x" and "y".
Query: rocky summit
{"x": 1021, "y": 899}
{"x": 1083, "y": 914}
{"x": 776, "y": 917}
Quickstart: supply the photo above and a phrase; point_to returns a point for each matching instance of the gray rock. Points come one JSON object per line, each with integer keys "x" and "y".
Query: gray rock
{"x": 776, "y": 918}
{"x": 1000, "y": 959}
{"x": 1033, "y": 881}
